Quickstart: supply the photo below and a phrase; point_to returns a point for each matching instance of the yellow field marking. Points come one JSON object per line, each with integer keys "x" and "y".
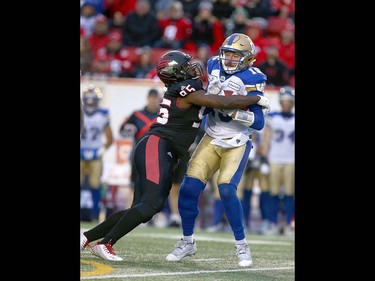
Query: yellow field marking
{"x": 100, "y": 269}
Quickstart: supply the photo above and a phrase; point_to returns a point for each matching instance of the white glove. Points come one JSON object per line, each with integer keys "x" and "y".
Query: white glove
{"x": 264, "y": 169}
{"x": 100, "y": 152}
{"x": 214, "y": 86}
{"x": 265, "y": 103}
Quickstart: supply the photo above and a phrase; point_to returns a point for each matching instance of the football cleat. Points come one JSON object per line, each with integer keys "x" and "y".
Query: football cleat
{"x": 84, "y": 241}
{"x": 105, "y": 251}
{"x": 182, "y": 249}
{"x": 243, "y": 255}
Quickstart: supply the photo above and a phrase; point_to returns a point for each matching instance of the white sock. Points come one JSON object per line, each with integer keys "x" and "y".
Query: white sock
{"x": 241, "y": 242}
{"x": 190, "y": 238}
{"x": 175, "y": 217}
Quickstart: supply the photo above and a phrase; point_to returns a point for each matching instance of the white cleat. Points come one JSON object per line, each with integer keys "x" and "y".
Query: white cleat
{"x": 106, "y": 252}
{"x": 84, "y": 241}
{"x": 243, "y": 255}
{"x": 182, "y": 249}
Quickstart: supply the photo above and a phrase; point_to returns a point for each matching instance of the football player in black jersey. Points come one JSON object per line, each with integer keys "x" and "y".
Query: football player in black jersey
{"x": 167, "y": 140}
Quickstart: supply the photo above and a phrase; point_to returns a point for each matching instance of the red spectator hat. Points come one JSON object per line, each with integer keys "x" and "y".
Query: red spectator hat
{"x": 273, "y": 41}
{"x": 101, "y": 18}
{"x": 115, "y": 36}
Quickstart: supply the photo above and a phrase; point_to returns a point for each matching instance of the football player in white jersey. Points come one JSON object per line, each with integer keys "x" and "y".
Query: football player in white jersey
{"x": 278, "y": 147}
{"x": 81, "y": 117}
{"x": 225, "y": 146}
{"x": 96, "y": 124}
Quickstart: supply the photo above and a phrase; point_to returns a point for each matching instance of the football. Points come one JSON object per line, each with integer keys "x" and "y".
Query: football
{"x": 228, "y": 92}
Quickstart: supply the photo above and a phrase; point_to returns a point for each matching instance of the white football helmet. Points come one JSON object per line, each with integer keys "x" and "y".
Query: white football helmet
{"x": 91, "y": 97}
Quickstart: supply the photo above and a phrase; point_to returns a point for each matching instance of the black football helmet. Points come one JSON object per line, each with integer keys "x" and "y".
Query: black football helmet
{"x": 175, "y": 66}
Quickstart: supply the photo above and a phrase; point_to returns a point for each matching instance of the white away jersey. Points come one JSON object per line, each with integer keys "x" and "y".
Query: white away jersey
{"x": 92, "y": 136}
{"x": 282, "y": 139}
{"x": 248, "y": 82}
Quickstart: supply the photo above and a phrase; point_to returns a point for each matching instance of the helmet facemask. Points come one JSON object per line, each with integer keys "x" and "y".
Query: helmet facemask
{"x": 90, "y": 105}
{"x": 191, "y": 70}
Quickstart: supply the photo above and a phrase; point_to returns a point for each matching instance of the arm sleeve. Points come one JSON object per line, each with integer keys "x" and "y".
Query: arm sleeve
{"x": 258, "y": 117}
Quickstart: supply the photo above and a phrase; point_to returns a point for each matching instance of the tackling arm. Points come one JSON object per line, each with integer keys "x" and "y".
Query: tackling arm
{"x": 225, "y": 102}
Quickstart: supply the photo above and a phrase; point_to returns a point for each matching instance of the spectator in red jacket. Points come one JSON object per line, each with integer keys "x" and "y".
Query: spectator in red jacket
{"x": 175, "y": 29}
{"x": 100, "y": 36}
{"x": 255, "y": 32}
{"x": 287, "y": 47}
{"x": 113, "y": 60}
{"x": 111, "y": 7}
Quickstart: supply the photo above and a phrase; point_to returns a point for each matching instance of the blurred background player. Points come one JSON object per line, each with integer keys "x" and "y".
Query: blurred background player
{"x": 279, "y": 149}
{"x": 255, "y": 176}
{"x": 225, "y": 146}
{"x": 81, "y": 115}
{"x": 96, "y": 126}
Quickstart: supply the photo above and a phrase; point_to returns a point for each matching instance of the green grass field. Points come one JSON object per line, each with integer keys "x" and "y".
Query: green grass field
{"x": 145, "y": 248}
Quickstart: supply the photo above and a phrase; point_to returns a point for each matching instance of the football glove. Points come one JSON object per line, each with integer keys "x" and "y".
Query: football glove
{"x": 100, "y": 152}
{"x": 265, "y": 103}
{"x": 214, "y": 86}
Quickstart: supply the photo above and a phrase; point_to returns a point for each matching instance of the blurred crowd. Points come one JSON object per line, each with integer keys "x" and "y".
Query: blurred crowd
{"x": 126, "y": 38}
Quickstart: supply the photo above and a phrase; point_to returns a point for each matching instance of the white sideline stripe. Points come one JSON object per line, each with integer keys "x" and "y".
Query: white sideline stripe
{"x": 183, "y": 273}
{"x": 207, "y": 238}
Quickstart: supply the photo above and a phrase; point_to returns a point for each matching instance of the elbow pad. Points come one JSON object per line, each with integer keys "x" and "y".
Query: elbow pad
{"x": 244, "y": 117}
